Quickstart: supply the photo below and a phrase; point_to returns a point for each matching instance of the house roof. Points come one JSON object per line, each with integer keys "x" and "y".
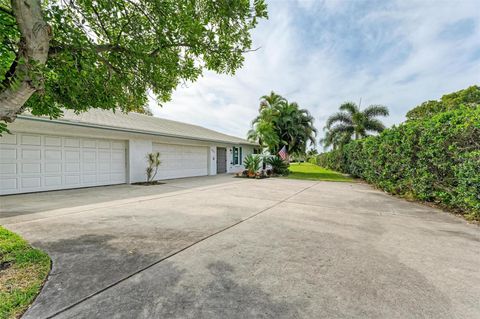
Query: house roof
{"x": 139, "y": 123}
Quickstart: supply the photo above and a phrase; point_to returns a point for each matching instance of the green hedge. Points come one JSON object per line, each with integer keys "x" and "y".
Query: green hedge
{"x": 434, "y": 159}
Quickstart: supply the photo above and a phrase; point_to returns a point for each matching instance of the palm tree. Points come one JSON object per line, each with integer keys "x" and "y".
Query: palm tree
{"x": 335, "y": 139}
{"x": 295, "y": 128}
{"x": 352, "y": 121}
{"x": 271, "y": 101}
{"x": 263, "y": 131}
{"x": 282, "y": 123}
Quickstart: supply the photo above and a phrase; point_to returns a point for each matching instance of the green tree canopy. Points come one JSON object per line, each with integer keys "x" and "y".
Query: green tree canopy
{"x": 351, "y": 121}
{"x": 109, "y": 53}
{"x": 282, "y": 123}
{"x": 468, "y": 97}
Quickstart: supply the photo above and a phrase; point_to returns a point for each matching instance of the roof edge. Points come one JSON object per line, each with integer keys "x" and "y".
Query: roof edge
{"x": 127, "y": 130}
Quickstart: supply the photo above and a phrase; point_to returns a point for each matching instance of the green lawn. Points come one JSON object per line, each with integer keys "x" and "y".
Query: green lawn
{"x": 315, "y": 173}
{"x": 23, "y": 270}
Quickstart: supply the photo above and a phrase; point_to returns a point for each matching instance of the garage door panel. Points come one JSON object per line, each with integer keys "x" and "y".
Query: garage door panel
{"x": 8, "y": 139}
{"x": 71, "y": 142}
{"x": 72, "y": 179}
{"x": 8, "y": 169}
{"x": 117, "y": 178}
{"x": 90, "y": 179}
{"x": 30, "y": 162}
{"x": 89, "y": 143}
{"x": 53, "y": 167}
{"x": 53, "y": 155}
{"x": 8, "y": 184}
{"x": 89, "y": 155}
{"x": 52, "y": 181}
{"x": 31, "y": 154}
{"x": 72, "y": 167}
{"x": 104, "y": 144}
{"x": 181, "y": 160}
{"x": 103, "y": 178}
{"x": 31, "y": 168}
{"x": 104, "y": 155}
{"x": 8, "y": 155}
{"x": 53, "y": 141}
{"x": 104, "y": 167}
{"x": 90, "y": 167}
{"x": 31, "y": 182}
{"x": 72, "y": 156}
{"x": 34, "y": 140}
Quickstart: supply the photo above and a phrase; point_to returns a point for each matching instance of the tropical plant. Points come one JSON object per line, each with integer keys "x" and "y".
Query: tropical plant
{"x": 153, "y": 162}
{"x": 312, "y": 152}
{"x": 109, "y": 54}
{"x": 335, "y": 138}
{"x": 279, "y": 166}
{"x": 252, "y": 163}
{"x": 433, "y": 156}
{"x": 468, "y": 97}
{"x": 281, "y": 123}
{"x": 351, "y": 121}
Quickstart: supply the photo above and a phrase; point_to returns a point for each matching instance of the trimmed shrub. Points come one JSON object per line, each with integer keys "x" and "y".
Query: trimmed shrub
{"x": 434, "y": 158}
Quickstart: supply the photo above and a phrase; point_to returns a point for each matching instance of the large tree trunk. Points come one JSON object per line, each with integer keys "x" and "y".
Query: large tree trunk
{"x": 33, "y": 52}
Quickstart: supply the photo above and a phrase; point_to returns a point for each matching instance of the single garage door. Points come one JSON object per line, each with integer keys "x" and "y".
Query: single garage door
{"x": 181, "y": 160}
{"x": 31, "y": 162}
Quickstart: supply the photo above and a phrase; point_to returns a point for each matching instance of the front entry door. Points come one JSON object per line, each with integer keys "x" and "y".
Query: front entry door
{"x": 221, "y": 160}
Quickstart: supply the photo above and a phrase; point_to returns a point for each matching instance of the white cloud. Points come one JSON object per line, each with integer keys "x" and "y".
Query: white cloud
{"x": 310, "y": 67}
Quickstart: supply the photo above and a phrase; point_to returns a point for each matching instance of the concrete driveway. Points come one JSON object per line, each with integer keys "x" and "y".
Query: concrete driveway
{"x": 219, "y": 247}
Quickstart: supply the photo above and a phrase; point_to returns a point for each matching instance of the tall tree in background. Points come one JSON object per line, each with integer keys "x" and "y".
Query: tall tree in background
{"x": 109, "y": 53}
{"x": 353, "y": 122}
{"x": 282, "y": 123}
{"x": 335, "y": 139}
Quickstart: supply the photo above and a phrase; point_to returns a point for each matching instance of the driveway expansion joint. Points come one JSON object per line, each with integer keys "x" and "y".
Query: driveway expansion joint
{"x": 128, "y": 202}
{"x": 176, "y": 252}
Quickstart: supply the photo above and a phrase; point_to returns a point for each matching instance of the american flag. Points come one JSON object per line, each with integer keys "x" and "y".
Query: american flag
{"x": 283, "y": 153}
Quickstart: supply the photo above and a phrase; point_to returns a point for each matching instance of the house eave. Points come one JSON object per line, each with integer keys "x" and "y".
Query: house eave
{"x": 127, "y": 130}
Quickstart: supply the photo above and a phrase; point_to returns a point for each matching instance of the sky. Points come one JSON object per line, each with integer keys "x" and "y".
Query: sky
{"x": 321, "y": 53}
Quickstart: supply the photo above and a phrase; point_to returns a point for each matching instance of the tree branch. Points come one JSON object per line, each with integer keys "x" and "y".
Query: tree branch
{"x": 33, "y": 50}
{"x": 101, "y": 23}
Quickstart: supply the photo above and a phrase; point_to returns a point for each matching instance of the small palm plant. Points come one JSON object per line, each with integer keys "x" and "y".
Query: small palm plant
{"x": 153, "y": 160}
{"x": 279, "y": 166}
{"x": 252, "y": 164}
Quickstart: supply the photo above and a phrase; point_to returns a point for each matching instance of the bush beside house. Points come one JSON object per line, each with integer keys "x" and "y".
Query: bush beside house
{"x": 434, "y": 156}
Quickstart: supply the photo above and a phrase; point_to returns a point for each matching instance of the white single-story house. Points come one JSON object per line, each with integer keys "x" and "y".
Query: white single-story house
{"x": 101, "y": 147}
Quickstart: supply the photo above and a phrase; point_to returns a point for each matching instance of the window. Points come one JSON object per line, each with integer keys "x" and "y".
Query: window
{"x": 257, "y": 151}
{"x": 237, "y": 155}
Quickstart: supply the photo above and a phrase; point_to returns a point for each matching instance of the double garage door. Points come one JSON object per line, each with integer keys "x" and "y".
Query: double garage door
{"x": 31, "y": 162}
{"x": 181, "y": 160}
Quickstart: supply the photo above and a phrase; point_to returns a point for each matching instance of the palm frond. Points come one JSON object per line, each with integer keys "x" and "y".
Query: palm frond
{"x": 340, "y": 117}
{"x": 375, "y": 110}
{"x": 350, "y": 107}
{"x": 374, "y": 125}
{"x": 342, "y": 128}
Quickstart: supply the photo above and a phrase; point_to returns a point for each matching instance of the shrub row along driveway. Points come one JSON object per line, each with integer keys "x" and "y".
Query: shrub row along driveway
{"x": 311, "y": 249}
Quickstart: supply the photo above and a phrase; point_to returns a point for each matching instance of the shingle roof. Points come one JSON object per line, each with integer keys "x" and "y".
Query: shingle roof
{"x": 143, "y": 124}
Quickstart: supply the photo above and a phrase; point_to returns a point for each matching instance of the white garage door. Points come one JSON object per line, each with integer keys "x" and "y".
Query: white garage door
{"x": 181, "y": 160}
{"x": 31, "y": 162}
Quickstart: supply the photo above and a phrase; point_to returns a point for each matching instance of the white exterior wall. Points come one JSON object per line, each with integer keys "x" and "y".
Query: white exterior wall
{"x": 212, "y": 163}
{"x": 137, "y": 145}
{"x": 137, "y": 161}
{"x": 246, "y": 150}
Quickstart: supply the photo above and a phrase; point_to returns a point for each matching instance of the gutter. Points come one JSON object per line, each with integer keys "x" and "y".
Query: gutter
{"x": 126, "y": 130}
